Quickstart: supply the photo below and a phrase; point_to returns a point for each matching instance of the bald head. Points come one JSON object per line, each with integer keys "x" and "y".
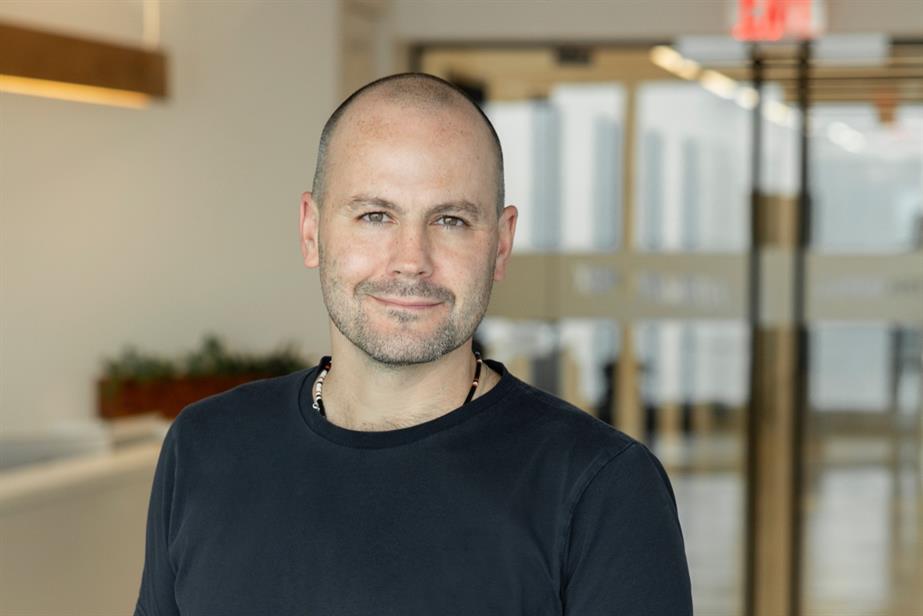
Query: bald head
{"x": 420, "y": 92}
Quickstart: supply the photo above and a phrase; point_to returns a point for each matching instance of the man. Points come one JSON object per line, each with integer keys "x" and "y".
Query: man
{"x": 403, "y": 475}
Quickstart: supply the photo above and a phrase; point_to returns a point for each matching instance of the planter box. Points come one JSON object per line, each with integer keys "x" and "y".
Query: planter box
{"x": 167, "y": 397}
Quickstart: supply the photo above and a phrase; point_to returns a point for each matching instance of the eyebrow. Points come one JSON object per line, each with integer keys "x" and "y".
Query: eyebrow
{"x": 361, "y": 201}
{"x": 460, "y": 206}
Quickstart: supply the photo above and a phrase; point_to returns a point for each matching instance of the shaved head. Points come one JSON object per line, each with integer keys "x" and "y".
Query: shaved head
{"x": 419, "y": 91}
{"x": 406, "y": 220}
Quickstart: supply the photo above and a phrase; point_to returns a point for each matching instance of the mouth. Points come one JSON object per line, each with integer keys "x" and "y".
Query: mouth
{"x": 406, "y": 303}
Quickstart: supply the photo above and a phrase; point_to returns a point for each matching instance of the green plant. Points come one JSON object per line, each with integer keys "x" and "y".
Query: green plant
{"x": 211, "y": 359}
{"x": 133, "y": 364}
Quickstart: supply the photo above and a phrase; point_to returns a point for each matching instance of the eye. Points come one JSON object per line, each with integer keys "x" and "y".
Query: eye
{"x": 451, "y": 221}
{"x": 376, "y": 218}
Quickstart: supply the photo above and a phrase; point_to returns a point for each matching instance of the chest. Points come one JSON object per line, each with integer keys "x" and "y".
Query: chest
{"x": 372, "y": 537}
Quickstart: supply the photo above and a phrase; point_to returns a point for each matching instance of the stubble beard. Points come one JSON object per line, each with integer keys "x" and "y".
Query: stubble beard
{"x": 403, "y": 345}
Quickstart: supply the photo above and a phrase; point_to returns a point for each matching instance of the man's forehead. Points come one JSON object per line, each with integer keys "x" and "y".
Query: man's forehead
{"x": 373, "y": 114}
{"x": 432, "y": 131}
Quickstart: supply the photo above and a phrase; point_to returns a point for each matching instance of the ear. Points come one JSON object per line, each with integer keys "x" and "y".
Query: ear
{"x": 309, "y": 223}
{"x": 506, "y": 229}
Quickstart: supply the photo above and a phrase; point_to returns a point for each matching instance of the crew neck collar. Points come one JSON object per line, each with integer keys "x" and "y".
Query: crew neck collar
{"x": 389, "y": 438}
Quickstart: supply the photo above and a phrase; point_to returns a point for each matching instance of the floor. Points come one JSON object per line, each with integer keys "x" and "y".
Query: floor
{"x": 863, "y": 552}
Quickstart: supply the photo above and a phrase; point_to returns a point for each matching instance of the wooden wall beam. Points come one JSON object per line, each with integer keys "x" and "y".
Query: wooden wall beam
{"x": 29, "y": 53}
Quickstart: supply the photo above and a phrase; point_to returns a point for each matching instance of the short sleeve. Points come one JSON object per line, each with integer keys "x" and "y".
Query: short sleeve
{"x": 156, "y": 597}
{"x": 624, "y": 551}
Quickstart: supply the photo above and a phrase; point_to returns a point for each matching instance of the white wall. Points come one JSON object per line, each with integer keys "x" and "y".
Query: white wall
{"x": 153, "y": 227}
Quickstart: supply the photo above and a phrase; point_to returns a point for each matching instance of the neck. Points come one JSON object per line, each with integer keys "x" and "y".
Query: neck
{"x": 360, "y": 393}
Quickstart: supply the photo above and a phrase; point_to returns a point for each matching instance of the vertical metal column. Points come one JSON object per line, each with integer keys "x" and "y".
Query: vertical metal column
{"x": 753, "y": 316}
{"x": 802, "y": 363}
{"x": 778, "y": 388}
{"x": 627, "y": 412}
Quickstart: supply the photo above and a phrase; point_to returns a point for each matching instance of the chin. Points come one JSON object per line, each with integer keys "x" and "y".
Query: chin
{"x": 401, "y": 348}
{"x": 407, "y": 357}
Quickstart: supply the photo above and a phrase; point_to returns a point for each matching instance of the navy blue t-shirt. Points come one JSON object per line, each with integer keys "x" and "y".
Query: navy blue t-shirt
{"x": 516, "y": 503}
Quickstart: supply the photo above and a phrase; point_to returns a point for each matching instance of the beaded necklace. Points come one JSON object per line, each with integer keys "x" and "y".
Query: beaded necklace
{"x": 326, "y": 362}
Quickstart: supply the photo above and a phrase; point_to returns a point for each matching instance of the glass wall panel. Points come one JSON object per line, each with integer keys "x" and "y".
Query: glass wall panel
{"x": 864, "y": 521}
{"x": 693, "y": 181}
{"x": 694, "y": 393}
{"x": 563, "y": 166}
{"x": 864, "y": 515}
{"x": 868, "y": 183}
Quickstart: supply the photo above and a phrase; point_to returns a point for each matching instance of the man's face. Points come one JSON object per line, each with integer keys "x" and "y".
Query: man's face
{"x": 407, "y": 238}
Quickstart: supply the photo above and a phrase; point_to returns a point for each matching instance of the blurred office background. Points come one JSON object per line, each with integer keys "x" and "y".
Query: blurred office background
{"x": 772, "y": 362}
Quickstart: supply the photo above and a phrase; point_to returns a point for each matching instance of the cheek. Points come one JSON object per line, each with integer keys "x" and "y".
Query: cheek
{"x": 467, "y": 269}
{"x": 349, "y": 259}
{"x": 354, "y": 267}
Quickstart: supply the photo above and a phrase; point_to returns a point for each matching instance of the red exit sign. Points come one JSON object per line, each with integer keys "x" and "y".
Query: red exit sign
{"x": 773, "y": 20}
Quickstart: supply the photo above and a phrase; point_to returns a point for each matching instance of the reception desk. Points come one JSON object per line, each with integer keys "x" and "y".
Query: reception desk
{"x": 72, "y": 529}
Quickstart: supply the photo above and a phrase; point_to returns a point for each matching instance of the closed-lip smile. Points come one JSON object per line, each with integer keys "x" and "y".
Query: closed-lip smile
{"x": 407, "y": 302}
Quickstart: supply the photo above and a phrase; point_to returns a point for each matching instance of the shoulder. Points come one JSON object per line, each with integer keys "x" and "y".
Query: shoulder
{"x": 240, "y": 409}
{"x": 575, "y": 438}
{"x": 555, "y": 415}
{"x": 596, "y": 461}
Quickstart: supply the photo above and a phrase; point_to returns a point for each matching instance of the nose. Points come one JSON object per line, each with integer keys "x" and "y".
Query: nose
{"x": 411, "y": 253}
